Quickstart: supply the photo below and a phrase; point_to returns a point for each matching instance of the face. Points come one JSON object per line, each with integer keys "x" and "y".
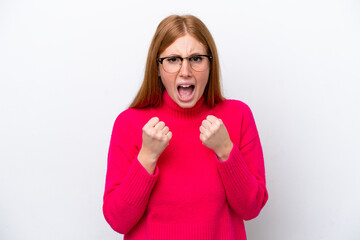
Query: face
{"x": 186, "y": 86}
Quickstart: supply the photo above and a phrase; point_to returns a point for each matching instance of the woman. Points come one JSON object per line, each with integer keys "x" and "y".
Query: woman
{"x": 183, "y": 163}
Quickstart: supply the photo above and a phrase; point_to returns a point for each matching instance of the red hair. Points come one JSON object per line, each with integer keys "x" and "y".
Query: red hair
{"x": 169, "y": 29}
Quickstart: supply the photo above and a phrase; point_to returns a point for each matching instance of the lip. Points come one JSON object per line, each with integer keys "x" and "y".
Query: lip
{"x": 188, "y": 99}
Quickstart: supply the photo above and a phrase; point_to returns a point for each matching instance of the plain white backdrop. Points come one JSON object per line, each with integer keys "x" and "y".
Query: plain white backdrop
{"x": 68, "y": 68}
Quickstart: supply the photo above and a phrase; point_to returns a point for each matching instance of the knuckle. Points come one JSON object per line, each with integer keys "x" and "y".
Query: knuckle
{"x": 158, "y": 135}
{"x": 146, "y": 130}
{"x": 152, "y": 133}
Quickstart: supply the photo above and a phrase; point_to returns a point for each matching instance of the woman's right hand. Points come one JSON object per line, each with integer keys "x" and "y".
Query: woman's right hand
{"x": 155, "y": 138}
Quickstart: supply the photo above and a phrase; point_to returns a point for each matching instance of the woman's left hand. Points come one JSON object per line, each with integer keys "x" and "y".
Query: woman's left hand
{"x": 214, "y": 135}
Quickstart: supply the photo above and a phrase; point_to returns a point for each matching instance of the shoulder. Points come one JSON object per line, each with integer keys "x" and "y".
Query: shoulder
{"x": 132, "y": 118}
{"x": 128, "y": 125}
{"x": 238, "y": 116}
{"x": 129, "y": 115}
{"x": 234, "y": 107}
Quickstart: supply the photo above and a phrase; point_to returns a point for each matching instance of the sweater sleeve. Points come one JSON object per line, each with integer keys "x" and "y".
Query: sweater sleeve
{"x": 243, "y": 174}
{"x": 128, "y": 185}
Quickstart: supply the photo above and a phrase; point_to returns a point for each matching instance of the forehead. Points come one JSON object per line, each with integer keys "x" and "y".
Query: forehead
{"x": 184, "y": 46}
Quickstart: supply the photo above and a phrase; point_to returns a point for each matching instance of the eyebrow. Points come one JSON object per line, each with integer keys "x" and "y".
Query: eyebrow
{"x": 193, "y": 54}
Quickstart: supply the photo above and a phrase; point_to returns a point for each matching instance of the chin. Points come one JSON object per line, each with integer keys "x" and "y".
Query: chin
{"x": 186, "y": 104}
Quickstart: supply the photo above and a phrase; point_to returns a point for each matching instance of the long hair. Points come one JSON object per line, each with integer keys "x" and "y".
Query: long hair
{"x": 169, "y": 29}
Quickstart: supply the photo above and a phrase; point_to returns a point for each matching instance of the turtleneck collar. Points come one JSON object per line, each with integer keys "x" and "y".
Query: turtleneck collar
{"x": 173, "y": 110}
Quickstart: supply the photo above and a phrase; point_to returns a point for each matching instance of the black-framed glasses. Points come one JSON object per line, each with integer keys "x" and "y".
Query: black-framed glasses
{"x": 198, "y": 63}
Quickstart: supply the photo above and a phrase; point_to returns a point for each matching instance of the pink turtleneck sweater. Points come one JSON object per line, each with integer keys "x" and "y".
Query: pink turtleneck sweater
{"x": 192, "y": 195}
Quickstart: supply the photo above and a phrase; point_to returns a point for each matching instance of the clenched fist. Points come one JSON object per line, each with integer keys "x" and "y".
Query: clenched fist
{"x": 214, "y": 135}
{"x": 155, "y": 138}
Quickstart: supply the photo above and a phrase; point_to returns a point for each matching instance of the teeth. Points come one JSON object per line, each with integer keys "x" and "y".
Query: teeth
{"x": 184, "y": 86}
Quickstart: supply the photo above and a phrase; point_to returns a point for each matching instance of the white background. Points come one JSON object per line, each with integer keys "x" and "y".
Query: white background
{"x": 69, "y": 67}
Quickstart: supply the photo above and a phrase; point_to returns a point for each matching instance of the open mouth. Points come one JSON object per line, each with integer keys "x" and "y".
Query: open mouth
{"x": 186, "y": 91}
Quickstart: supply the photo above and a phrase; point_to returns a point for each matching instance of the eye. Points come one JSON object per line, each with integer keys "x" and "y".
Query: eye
{"x": 172, "y": 59}
{"x": 196, "y": 59}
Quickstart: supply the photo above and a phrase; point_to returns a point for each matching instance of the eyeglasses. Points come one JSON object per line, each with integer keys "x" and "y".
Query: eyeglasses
{"x": 172, "y": 64}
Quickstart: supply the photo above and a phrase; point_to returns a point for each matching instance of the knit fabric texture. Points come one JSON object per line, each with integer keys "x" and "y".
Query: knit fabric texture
{"x": 191, "y": 195}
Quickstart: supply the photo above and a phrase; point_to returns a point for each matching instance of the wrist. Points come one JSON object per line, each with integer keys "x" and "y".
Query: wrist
{"x": 147, "y": 161}
{"x": 224, "y": 153}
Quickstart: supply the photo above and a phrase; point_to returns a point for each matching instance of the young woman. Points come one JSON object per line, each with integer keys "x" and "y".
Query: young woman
{"x": 183, "y": 163}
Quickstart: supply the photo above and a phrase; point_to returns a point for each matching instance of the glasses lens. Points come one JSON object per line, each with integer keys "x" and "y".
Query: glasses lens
{"x": 197, "y": 63}
{"x": 172, "y": 64}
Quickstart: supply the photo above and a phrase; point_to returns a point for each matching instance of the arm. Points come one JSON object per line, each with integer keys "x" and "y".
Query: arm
{"x": 128, "y": 184}
{"x": 132, "y": 174}
{"x": 243, "y": 176}
{"x": 240, "y": 166}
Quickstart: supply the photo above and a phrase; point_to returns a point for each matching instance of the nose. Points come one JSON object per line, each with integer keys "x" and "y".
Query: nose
{"x": 185, "y": 69}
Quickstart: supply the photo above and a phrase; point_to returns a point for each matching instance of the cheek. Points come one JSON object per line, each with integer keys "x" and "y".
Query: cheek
{"x": 203, "y": 79}
{"x": 166, "y": 79}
